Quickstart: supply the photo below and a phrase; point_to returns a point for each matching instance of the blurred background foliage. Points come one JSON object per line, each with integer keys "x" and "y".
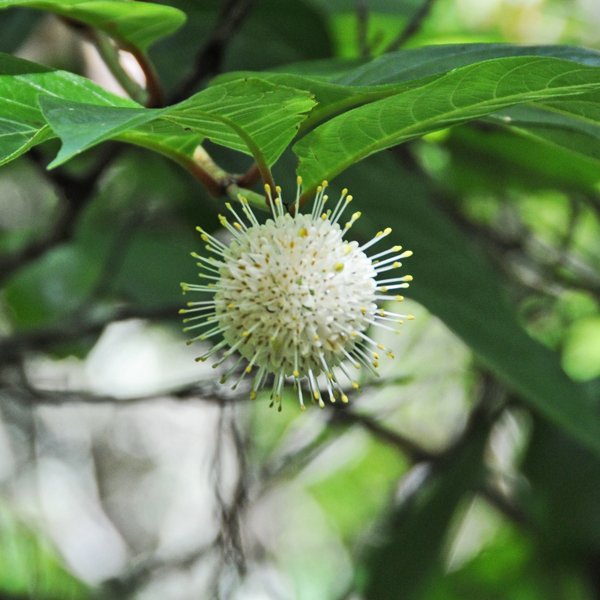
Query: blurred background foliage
{"x": 127, "y": 472}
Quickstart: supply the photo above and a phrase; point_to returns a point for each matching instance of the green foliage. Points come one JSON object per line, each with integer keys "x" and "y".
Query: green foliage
{"x": 499, "y": 203}
{"x": 29, "y": 567}
{"x": 250, "y": 116}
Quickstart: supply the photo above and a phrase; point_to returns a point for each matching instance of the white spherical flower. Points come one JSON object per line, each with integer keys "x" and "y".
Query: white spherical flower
{"x": 294, "y": 298}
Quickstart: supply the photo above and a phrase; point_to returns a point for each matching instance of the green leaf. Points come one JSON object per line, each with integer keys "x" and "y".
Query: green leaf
{"x": 454, "y": 281}
{"x": 251, "y": 116}
{"x": 129, "y": 23}
{"x": 457, "y": 97}
{"x": 395, "y": 72}
{"x": 22, "y": 83}
{"x": 573, "y": 124}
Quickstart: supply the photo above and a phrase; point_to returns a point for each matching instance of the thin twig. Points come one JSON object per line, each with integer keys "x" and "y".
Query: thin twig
{"x": 209, "y": 59}
{"x": 250, "y": 178}
{"x": 343, "y": 414}
{"x": 413, "y": 26}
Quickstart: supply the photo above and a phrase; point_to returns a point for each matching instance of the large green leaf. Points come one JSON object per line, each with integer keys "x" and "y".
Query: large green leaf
{"x": 457, "y": 97}
{"x": 398, "y": 72}
{"x": 130, "y": 23}
{"x": 250, "y": 116}
{"x": 22, "y": 83}
{"x": 455, "y": 282}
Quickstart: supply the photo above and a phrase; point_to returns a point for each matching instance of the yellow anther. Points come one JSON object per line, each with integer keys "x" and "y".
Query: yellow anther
{"x": 316, "y": 395}
{"x": 302, "y": 232}
{"x": 379, "y": 234}
{"x": 338, "y": 267}
{"x": 399, "y": 298}
{"x": 383, "y": 289}
{"x": 325, "y": 183}
{"x": 347, "y": 249}
{"x": 375, "y": 364}
{"x": 390, "y": 355}
{"x": 349, "y": 198}
{"x": 363, "y": 309}
{"x": 408, "y": 253}
{"x": 353, "y": 334}
{"x": 302, "y": 407}
{"x": 237, "y": 226}
{"x": 299, "y": 180}
{"x": 267, "y": 188}
{"x": 228, "y": 205}
{"x": 231, "y": 306}
{"x": 324, "y": 217}
{"x": 381, "y": 347}
{"x": 316, "y": 337}
{"x": 344, "y": 398}
{"x": 246, "y": 334}
{"x": 408, "y": 278}
{"x": 296, "y": 374}
{"x": 204, "y": 237}
{"x": 252, "y": 395}
{"x": 410, "y": 317}
{"x": 396, "y": 265}
{"x": 182, "y": 311}
{"x": 278, "y": 189}
{"x": 355, "y": 385}
{"x": 330, "y": 375}
{"x": 356, "y": 215}
{"x": 375, "y": 355}
{"x": 248, "y": 369}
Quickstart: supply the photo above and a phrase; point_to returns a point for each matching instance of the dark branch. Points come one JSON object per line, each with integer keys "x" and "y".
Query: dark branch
{"x": 210, "y": 58}
{"x": 413, "y": 26}
{"x": 362, "y": 27}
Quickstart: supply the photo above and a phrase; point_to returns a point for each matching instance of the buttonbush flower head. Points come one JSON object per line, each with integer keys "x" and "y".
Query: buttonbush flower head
{"x": 295, "y": 299}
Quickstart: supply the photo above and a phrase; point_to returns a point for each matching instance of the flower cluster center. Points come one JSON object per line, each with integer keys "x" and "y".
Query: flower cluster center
{"x": 296, "y": 292}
